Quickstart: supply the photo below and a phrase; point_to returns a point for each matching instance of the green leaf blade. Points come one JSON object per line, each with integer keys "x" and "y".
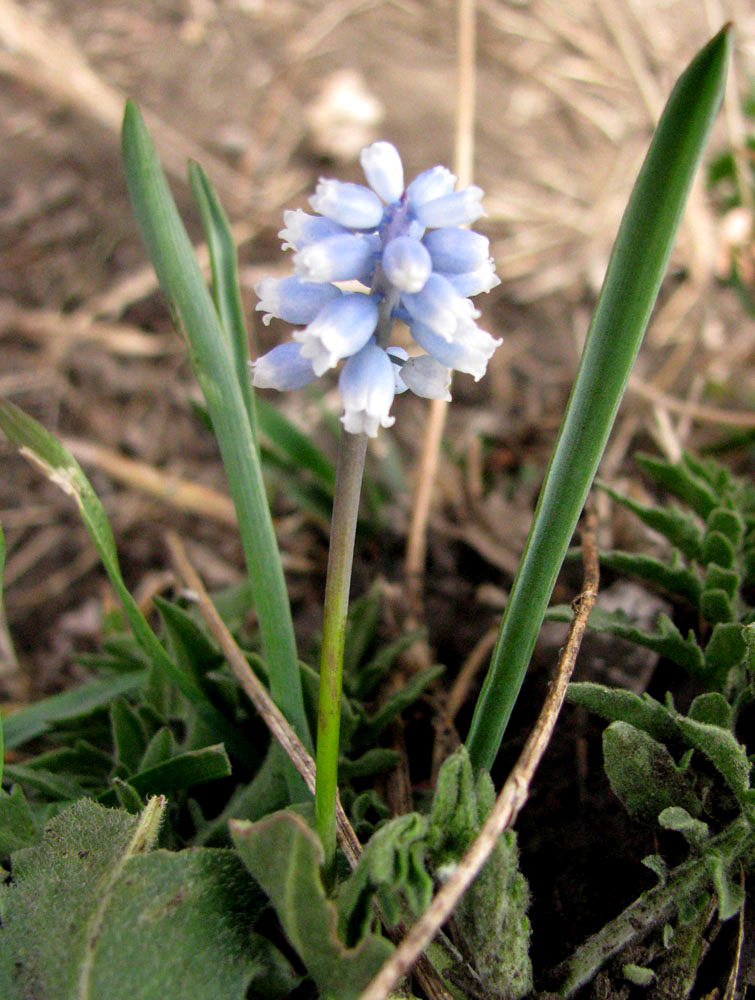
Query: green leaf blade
{"x": 635, "y": 270}
{"x": 211, "y": 355}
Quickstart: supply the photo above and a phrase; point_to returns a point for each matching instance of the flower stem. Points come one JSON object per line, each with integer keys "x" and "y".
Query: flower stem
{"x": 351, "y": 455}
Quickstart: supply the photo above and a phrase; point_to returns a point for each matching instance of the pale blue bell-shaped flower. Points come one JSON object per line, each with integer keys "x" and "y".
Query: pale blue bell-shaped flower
{"x": 474, "y": 282}
{"x": 346, "y": 257}
{"x": 438, "y": 306}
{"x": 301, "y": 229}
{"x": 384, "y": 171}
{"x": 284, "y": 368}
{"x": 427, "y": 377}
{"x": 407, "y": 264}
{"x": 415, "y": 261}
{"x": 429, "y": 185}
{"x": 454, "y": 251}
{"x": 367, "y": 388}
{"x": 350, "y": 205}
{"x": 292, "y": 299}
{"x": 341, "y": 328}
{"x": 469, "y": 352}
{"x": 458, "y": 209}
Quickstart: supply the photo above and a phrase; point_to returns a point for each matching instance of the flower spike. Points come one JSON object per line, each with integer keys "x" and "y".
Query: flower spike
{"x": 408, "y": 249}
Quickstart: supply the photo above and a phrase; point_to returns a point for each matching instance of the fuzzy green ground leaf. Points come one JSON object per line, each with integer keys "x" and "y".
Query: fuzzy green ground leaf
{"x": 675, "y": 577}
{"x": 90, "y": 914}
{"x": 667, "y": 640}
{"x": 18, "y": 827}
{"x": 45, "y": 451}
{"x": 684, "y": 480}
{"x": 284, "y": 855}
{"x": 643, "y": 774}
{"x": 679, "y": 527}
{"x": 614, "y": 704}
{"x": 491, "y": 918}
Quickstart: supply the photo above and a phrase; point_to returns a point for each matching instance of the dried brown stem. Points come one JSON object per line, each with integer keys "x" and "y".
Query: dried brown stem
{"x": 272, "y": 716}
{"x": 512, "y": 797}
{"x": 416, "y": 548}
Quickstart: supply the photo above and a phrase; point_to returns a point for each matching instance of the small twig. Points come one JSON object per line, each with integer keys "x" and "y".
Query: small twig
{"x": 272, "y": 716}
{"x": 695, "y": 411}
{"x": 512, "y": 797}
{"x": 416, "y": 548}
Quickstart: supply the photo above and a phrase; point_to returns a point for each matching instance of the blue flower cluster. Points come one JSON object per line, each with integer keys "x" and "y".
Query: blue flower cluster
{"x": 416, "y": 263}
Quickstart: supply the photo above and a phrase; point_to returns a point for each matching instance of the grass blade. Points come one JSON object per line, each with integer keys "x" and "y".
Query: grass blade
{"x": 2, "y": 619}
{"x": 58, "y": 464}
{"x": 225, "y": 281}
{"x": 632, "y": 281}
{"x": 173, "y": 258}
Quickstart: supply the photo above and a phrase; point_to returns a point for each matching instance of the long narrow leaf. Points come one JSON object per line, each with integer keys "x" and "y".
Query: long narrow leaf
{"x": 225, "y": 280}
{"x": 30, "y": 722}
{"x": 59, "y": 465}
{"x": 634, "y": 275}
{"x": 2, "y": 618}
{"x": 173, "y": 258}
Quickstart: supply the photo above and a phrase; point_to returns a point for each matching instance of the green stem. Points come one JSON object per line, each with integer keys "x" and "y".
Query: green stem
{"x": 653, "y": 907}
{"x": 351, "y": 455}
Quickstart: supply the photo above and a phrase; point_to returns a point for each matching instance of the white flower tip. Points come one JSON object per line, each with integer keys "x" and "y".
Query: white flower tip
{"x": 383, "y": 169}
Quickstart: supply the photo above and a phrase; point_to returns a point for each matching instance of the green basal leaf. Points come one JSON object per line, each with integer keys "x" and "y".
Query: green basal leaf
{"x": 618, "y": 704}
{"x": 635, "y": 271}
{"x": 127, "y": 796}
{"x": 56, "y": 787}
{"x": 666, "y": 641}
{"x": 643, "y": 774}
{"x": 491, "y": 918}
{"x": 161, "y": 748}
{"x": 675, "y": 577}
{"x": 89, "y": 913}
{"x": 266, "y": 793}
{"x": 32, "y": 722}
{"x": 394, "y": 704}
{"x": 722, "y": 749}
{"x": 18, "y": 827}
{"x": 718, "y": 549}
{"x": 216, "y": 368}
{"x": 718, "y": 578}
{"x": 194, "y": 767}
{"x": 188, "y": 642}
{"x": 694, "y": 830}
{"x": 361, "y": 681}
{"x": 637, "y": 974}
{"x": 680, "y": 528}
{"x": 711, "y": 708}
{"x": 129, "y": 735}
{"x": 284, "y": 855}
{"x": 225, "y": 281}
{"x": 59, "y": 465}
{"x": 374, "y": 761}
{"x": 392, "y": 868}
{"x": 727, "y": 522}
{"x": 686, "y": 483}
{"x": 730, "y": 894}
{"x": 725, "y": 651}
